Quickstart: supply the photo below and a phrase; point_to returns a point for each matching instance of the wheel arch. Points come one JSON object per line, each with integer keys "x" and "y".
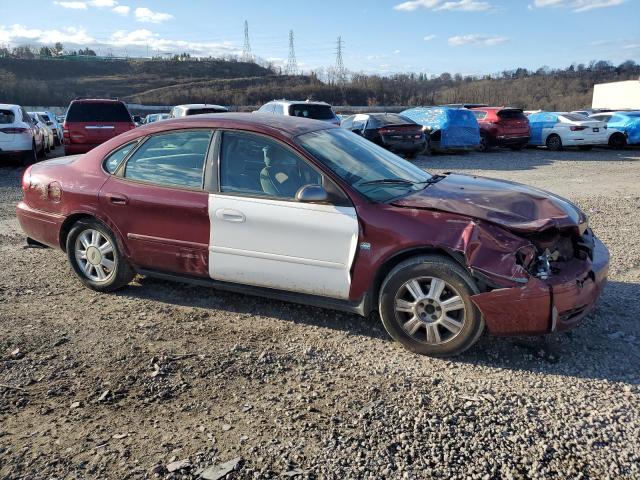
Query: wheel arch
{"x": 389, "y": 264}
{"x": 72, "y": 219}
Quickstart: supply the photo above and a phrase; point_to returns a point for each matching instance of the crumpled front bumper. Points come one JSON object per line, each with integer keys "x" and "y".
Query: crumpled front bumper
{"x": 542, "y": 306}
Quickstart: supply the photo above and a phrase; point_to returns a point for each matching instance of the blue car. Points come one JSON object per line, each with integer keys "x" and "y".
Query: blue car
{"x": 623, "y": 127}
{"x": 447, "y": 128}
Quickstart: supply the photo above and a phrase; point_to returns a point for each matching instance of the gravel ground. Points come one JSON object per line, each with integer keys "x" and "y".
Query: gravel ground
{"x": 163, "y": 380}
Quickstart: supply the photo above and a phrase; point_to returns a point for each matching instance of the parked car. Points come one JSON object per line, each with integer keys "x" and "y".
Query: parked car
{"x": 447, "y": 128}
{"x": 304, "y": 109}
{"x": 557, "y": 130}
{"x": 304, "y": 211}
{"x": 55, "y": 126}
{"x": 47, "y": 132}
{"x": 623, "y": 127}
{"x": 156, "y": 117}
{"x": 389, "y": 130}
{"x": 91, "y": 122}
{"x": 196, "y": 109}
{"x": 502, "y": 127}
{"x": 19, "y": 136}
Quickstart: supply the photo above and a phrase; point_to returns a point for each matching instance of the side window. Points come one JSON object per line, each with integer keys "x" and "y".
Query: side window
{"x": 347, "y": 123}
{"x": 172, "y": 159}
{"x": 255, "y": 165}
{"x": 278, "y": 109}
{"x": 112, "y": 162}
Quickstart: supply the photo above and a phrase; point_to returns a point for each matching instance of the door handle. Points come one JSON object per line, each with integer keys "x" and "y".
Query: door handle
{"x": 230, "y": 215}
{"x": 117, "y": 199}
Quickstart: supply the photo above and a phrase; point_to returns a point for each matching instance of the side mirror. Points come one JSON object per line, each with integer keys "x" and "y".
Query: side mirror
{"x": 312, "y": 194}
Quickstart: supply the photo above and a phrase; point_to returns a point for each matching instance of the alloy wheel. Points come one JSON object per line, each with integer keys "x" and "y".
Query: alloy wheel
{"x": 430, "y": 310}
{"x": 95, "y": 255}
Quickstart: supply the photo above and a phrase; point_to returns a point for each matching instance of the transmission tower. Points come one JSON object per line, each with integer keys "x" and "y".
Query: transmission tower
{"x": 292, "y": 64}
{"x": 247, "y": 56}
{"x": 341, "y": 72}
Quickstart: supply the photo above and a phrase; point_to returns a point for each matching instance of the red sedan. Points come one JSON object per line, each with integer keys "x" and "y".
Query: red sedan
{"x": 301, "y": 210}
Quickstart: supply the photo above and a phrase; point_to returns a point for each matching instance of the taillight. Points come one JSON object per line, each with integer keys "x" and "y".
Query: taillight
{"x": 13, "y": 130}
{"x": 575, "y": 128}
{"x": 26, "y": 179}
{"x": 384, "y": 131}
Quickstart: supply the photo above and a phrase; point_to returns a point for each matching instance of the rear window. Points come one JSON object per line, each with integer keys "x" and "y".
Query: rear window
{"x": 46, "y": 117}
{"x": 98, "y": 112}
{"x": 480, "y": 115}
{"x": 511, "y": 114}
{"x": 574, "y": 117}
{"x": 200, "y": 111}
{"x": 390, "y": 119}
{"x": 7, "y": 116}
{"x": 317, "y": 112}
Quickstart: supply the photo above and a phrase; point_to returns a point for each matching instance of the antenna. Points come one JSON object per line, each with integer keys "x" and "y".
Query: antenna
{"x": 292, "y": 64}
{"x": 247, "y": 56}
{"x": 341, "y": 72}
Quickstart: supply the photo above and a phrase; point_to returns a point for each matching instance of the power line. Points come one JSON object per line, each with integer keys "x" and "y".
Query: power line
{"x": 292, "y": 64}
{"x": 341, "y": 72}
{"x": 247, "y": 56}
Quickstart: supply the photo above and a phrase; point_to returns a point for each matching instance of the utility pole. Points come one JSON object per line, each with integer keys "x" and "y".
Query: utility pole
{"x": 247, "y": 56}
{"x": 341, "y": 72}
{"x": 292, "y": 64}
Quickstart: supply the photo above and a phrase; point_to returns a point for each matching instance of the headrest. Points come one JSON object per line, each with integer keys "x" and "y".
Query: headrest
{"x": 274, "y": 156}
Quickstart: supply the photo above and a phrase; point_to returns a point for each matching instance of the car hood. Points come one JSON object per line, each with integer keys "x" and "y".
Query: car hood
{"x": 511, "y": 205}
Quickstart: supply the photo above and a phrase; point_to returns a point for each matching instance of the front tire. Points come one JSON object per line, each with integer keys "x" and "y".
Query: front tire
{"x": 95, "y": 257}
{"x": 425, "y": 304}
{"x": 554, "y": 142}
{"x": 484, "y": 143}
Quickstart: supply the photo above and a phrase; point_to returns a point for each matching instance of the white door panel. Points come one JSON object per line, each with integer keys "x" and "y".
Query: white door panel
{"x": 285, "y": 245}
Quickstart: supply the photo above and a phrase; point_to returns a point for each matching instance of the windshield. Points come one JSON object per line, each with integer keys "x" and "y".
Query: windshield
{"x": 363, "y": 164}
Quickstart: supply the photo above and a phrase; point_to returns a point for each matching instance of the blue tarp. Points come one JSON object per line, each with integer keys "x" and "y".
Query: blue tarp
{"x": 627, "y": 122}
{"x": 538, "y": 122}
{"x": 459, "y": 126}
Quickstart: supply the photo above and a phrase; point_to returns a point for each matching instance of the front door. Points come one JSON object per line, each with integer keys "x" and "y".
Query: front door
{"x": 261, "y": 236}
{"x": 157, "y": 202}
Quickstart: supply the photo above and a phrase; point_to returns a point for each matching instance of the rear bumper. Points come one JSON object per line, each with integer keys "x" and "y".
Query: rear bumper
{"x": 78, "y": 148}
{"x": 544, "y": 306}
{"x": 41, "y": 226}
{"x": 507, "y": 140}
{"x": 405, "y": 145}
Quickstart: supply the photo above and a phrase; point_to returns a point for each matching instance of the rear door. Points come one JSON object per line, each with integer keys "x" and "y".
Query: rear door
{"x": 157, "y": 202}
{"x": 264, "y": 237}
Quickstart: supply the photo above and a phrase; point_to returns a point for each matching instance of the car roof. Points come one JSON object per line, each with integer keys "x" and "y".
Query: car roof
{"x": 200, "y": 105}
{"x": 97, "y": 100}
{"x": 297, "y": 102}
{"x": 9, "y": 106}
{"x": 259, "y": 122}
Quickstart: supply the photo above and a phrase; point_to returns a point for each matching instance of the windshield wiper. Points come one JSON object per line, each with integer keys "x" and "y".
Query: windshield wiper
{"x": 389, "y": 181}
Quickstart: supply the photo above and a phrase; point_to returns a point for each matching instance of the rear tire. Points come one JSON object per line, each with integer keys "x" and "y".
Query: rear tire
{"x": 95, "y": 257}
{"x": 425, "y": 304}
{"x": 30, "y": 157}
{"x": 554, "y": 142}
{"x": 617, "y": 141}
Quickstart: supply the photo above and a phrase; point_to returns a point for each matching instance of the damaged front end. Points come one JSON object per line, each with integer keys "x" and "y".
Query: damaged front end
{"x": 556, "y": 276}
